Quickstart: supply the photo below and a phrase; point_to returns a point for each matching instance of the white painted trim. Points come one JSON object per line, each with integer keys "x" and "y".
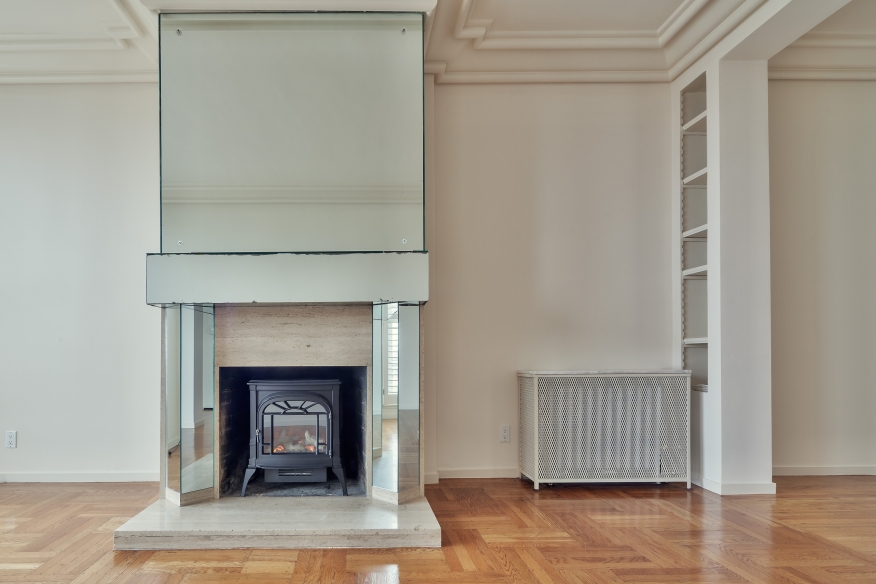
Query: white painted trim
{"x": 79, "y": 77}
{"x": 479, "y": 473}
{"x": 133, "y": 28}
{"x": 290, "y": 5}
{"x": 14, "y": 42}
{"x": 748, "y": 489}
{"x": 734, "y": 488}
{"x": 444, "y": 76}
{"x": 714, "y": 37}
{"x": 823, "y": 74}
{"x": 801, "y": 471}
{"x": 430, "y": 478}
{"x": 78, "y": 477}
{"x": 478, "y": 30}
{"x": 836, "y": 40}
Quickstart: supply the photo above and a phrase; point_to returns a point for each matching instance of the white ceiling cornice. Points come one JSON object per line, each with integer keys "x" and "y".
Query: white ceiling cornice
{"x": 484, "y": 38}
{"x": 425, "y": 6}
{"x": 595, "y": 76}
{"x": 822, "y": 74}
{"x": 837, "y": 40}
{"x": 467, "y": 41}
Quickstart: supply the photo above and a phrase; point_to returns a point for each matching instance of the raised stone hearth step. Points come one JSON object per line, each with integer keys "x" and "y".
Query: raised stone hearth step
{"x": 281, "y": 522}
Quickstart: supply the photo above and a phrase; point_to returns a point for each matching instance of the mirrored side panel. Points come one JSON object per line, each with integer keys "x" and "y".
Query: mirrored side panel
{"x": 172, "y": 396}
{"x": 385, "y": 466}
{"x": 195, "y": 413}
{"x": 377, "y": 382}
{"x": 408, "y": 397}
{"x": 291, "y": 132}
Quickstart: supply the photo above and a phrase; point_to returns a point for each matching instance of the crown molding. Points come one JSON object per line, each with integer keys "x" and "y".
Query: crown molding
{"x": 837, "y": 40}
{"x": 821, "y": 74}
{"x": 478, "y": 30}
{"x": 425, "y": 6}
{"x": 79, "y": 77}
{"x": 17, "y": 43}
{"x": 439, "y": 69}
{"x": 715, "y": 36}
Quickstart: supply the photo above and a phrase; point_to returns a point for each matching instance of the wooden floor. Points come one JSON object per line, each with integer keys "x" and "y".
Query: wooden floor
{"x": 815, "y": 530}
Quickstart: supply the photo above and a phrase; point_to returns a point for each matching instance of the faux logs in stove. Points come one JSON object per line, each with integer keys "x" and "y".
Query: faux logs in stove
{"x": 295, "y": 431}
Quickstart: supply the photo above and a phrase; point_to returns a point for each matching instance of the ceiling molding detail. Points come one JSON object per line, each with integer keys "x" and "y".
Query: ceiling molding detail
{"x": 715, "y": 36}
{"x": 443, "y": 76}
{"x": 836, "y": 40}
{"x": 115, "y": 41}
{"x": 80, "y": 77}
{"x": 18, "y": 43}
{"x": 824, "y": 74}
{"x": 478, "y": 30}
{"x": 290, "y": 5}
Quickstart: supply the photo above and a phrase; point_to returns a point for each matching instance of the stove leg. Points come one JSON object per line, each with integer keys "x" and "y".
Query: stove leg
{"x": 246, "y": 477}
{"x": 339, "y": 472}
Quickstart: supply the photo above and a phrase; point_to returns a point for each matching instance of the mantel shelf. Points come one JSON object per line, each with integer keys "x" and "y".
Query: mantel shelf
{"x": 697, "y": 272}
{"x": 696, "y": 234}
{"x": 697, "y": 179}
{"x": 696, "y": 341}
{"x": 696, "y": 125}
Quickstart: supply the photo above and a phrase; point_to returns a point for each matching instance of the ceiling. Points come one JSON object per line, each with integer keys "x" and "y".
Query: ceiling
{"x": 468, "y": 40}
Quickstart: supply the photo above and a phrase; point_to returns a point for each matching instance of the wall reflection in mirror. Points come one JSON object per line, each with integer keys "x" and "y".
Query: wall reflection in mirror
{"x": 396, "y": 396}
{"x": 284, "y": 132}
{"x": 189, "y": 383}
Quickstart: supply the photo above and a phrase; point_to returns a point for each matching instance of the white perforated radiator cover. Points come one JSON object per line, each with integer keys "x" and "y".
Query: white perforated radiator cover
{"x": 590, "y": 426}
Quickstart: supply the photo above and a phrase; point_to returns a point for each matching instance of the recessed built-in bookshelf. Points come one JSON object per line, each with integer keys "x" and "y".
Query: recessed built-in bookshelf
{"x": 699, "y": 271}
{"x": 696, "y": 126}
{"x": 698, "y": 178}
{"x": 694, "y": 235}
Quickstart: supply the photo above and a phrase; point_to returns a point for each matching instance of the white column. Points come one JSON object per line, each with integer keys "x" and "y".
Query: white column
{"x": 739, "y": 275}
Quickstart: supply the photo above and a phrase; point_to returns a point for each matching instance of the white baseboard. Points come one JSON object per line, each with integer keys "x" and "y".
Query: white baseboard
{"x": 748, "y": 489}
{"x": 803, "y": 471}
{"x": 734, "y": 488}
{"x": 78, "y": 477}
{"x": 430, "y": 478}
{"x": 479, "y": 473}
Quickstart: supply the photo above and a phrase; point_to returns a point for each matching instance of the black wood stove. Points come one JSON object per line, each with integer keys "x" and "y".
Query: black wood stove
{"x": 295, "y": 431}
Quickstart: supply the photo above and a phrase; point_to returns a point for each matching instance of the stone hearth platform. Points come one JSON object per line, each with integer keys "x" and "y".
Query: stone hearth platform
{"x": 281, "y": 522}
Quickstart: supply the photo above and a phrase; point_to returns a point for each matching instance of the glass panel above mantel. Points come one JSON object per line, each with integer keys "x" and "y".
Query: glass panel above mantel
{"x": 291, "y": 132}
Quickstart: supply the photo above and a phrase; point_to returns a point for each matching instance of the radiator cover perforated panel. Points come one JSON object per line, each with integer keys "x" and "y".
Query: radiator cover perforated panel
{"x": 605, "y": 427}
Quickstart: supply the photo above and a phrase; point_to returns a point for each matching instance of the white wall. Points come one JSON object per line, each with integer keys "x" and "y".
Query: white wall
{"x": 823, "y": 209}
{"x": 552, "y": 249}
{"x": 79, "y": 348}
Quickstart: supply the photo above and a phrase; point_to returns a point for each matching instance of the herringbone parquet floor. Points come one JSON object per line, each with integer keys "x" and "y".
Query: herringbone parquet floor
{"x": 817, "y": 529}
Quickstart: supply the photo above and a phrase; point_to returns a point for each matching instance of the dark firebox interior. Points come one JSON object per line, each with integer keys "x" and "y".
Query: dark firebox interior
{"x": 234, "y": 420}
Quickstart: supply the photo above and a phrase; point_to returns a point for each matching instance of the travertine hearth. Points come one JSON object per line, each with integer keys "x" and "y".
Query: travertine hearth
{"x": 270, "y": 522}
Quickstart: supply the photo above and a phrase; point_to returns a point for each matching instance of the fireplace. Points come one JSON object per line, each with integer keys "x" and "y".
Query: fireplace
{"x": 295, "y": 431}
{"x": 262, "y": 461}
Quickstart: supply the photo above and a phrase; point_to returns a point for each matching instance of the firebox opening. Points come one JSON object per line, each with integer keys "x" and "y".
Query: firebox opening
{"x": 234, "y": 429}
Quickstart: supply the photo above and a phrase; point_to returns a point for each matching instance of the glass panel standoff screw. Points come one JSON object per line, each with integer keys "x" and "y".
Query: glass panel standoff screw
{"x": 178, "y": 32}
{"x": 404, "y": 31}
{"x": 404, "y": 240}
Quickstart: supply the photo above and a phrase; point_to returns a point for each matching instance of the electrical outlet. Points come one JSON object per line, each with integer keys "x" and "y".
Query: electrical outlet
{"x": 11, "y": 438}
{"x": 505, "y": 433}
